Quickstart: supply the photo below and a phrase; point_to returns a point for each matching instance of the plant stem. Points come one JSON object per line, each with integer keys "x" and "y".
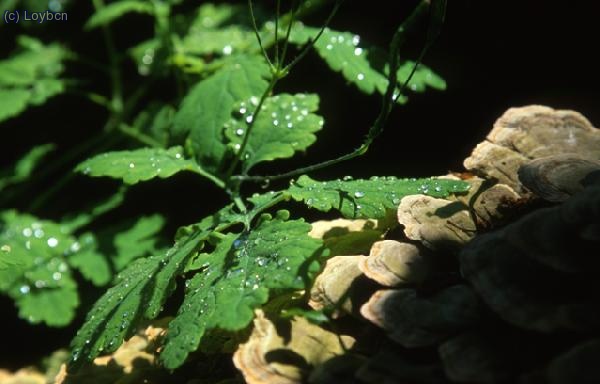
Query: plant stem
{"x": 250, "y": 124}
{"x": 312, "y": 42}
{"x": 278, "y": 60}
{"x": 389, "y": 98}
{"x": 255, "y": 27}
{"x": 115, "y": 71}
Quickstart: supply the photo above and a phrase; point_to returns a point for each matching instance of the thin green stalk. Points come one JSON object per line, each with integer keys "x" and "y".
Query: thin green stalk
{"x": 115, "y": 71}
{"x": 286, "y": 42}
{"x": 312, "y": 42}
{"x": 389, "y": 98}
{"x": 250, "y": 125}
{"x": 277, "y": 13}
{"x": 258, "y": 38}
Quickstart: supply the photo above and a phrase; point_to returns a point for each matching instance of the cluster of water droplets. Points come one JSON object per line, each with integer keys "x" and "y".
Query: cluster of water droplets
{"x": 277, "y": 112}
{"x": 43, "y": 249}
{"x": 349, "y": 45}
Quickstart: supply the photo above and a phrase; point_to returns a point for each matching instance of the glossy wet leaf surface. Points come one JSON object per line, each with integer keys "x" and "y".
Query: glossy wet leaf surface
{"x": 207, "y": 107}
{"x": 141, "y": 291}
{"x": 368, "y": 199}
{"x": 359, "y": 64}
{"x": 41, "y": 280}
{"x": 238, "y": 275}
{"x": 138, "y": 165}
{"x": 285, "y": 125}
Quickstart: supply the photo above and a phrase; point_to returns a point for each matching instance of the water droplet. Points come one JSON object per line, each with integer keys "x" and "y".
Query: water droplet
{"x": 237, "y": 243}
{"x": 5, "y": 248}
{"x": 27, "y": 232}
{"x": 340, "y": 39}
{"x": 355, "y": 40}
{"x": 358, "y": 51}
{"x": 28, "y": 244}
{"x": 249, "y": 119}
{"x": 359, "y": 194}
{"x": 347, "y": 178}
{"x": 239, "y": 131}
{"x": 131, "y": 165}
{"x": 254, "y": 100}
{"x": 24, "y": 289}
{"x": 62, "y": 267}
{"x": 396, "y": 201}
{"x": 437, "y": 188}
{"x": 227, "y": 50}
{"x": 52, "y": 242}
{"x": 147, "y": 59}
{"x": 261, "y": 261}
{"x": 275, "y": 122}
{"x": 290, "y": 125}
{"x": 39, "y": 284}
{"x": 329, "y": 47}
{"x": 38, "y": 233}
{"x": 360, "y": 76}
{"x": 178, "y": 155}
{"x": 243, "y": 110}
{"x": 309, "y": 201}
{"x": 274, "y": 115}
{"x": 56, "y": 276}
{"x": 358, "y": 206}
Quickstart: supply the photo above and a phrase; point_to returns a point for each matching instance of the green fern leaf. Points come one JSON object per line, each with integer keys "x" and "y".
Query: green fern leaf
{"x": 368, "y": 199}
{"x": 343, "y": 53}
{"x": 284, "y": 126}
{"x": 41, "y": 283}
{"x": 91, "y": 263}
{"x": 208, "y": 106}
{"x": 30, "y": 76}
{"x": 138, "y": 165}
{"x": 137, "y": 241}
{"x": 141, "y": 291}
{"x": 422, "y": 78}
{"x": 276, "y": 254}
{"x": 219, "y": 29}
{"x": 113, "y": 11}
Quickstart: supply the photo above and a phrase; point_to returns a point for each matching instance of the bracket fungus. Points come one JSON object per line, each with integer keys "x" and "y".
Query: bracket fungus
{"x": 556, "y": 178}
{"x": 133, "y": 362}
{"x": 271, "y": 356}
{"x": 392, "y": 263}
{"x": 532, "y": 132}
{"x": 537, "y": 273}
{"x": 413, "y": 320}
{"x": 437, "y": 223}
{"x": 334, "y": 287}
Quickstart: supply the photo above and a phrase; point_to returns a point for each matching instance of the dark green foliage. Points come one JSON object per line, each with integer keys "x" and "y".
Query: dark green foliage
{"x": 229, "y": 117}
{"x": 368, "y": 199}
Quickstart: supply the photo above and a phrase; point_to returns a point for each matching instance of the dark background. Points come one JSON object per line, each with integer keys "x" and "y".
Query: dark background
{"x": 493, "y": 54}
